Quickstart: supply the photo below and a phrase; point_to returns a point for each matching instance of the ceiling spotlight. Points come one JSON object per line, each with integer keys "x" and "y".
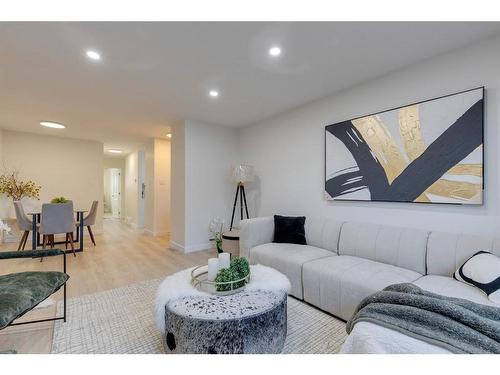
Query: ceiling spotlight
{"x": 93, "y": 55}
{"x": 168, "y": 135}
{"x": 53, "y": 125}
{"x": 275, "y": 51}
{"x": 113, "y": 151}
{"x": 213, "y": 93}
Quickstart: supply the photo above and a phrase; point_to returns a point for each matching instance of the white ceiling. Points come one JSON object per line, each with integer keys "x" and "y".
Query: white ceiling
{"x": 153, "y": 75}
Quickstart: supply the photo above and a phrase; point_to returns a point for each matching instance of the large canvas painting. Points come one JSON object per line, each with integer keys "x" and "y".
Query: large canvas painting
{"x": 428, "y": 152}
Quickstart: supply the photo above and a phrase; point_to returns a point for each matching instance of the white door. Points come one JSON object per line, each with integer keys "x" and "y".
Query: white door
{"x": 116, "y": 199}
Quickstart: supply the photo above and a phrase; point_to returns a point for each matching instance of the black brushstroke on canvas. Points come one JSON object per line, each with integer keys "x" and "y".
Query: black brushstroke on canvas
{"x": 452, "y": 146}
{"x": 373, "y": 173}
{"x": 345, "y": 183}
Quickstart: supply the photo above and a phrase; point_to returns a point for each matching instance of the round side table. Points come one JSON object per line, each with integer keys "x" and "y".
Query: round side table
{"x": 246, "y": 322}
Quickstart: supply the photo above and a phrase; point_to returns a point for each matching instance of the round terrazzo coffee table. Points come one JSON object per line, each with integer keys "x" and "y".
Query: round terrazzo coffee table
{"x": 246, "y": 322}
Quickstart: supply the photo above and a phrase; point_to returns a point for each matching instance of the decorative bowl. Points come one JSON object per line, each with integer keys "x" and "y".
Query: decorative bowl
{"x": 199, "y": 279}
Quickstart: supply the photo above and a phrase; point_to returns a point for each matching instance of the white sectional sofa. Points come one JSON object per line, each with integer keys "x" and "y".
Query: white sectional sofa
{"x": 344, "y": 262}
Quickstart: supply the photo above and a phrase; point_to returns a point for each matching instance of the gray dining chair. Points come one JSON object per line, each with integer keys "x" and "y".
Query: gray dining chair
{"x": 57, "y": 218}
{"x": 24, "y": 224}
{"x": 89, "y": 220}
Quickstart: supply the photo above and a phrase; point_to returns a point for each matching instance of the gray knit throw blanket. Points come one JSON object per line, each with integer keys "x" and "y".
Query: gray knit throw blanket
{"x": 458, "y": 325}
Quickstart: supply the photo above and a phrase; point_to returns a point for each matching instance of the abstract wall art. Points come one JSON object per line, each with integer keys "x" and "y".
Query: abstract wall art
{"x": 427, "y": 152}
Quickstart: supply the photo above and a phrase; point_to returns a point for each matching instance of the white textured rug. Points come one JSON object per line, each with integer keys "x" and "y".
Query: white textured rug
{"x": 120, "y": 321}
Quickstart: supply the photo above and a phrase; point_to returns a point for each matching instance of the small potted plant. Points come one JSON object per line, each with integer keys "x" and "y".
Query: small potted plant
{"x": 215, "y": 228}
{"x": 59, "y": 200}
{"x": 233, "y": 278}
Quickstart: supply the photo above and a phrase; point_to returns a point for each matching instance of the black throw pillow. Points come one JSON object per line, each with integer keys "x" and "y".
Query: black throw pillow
{"x": 289, "y": 229}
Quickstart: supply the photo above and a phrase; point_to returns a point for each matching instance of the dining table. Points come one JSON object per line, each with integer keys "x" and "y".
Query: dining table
{"x": 35, "y": 240}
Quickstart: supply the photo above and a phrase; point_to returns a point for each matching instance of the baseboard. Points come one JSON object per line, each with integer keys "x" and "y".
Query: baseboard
{"x": 190, "y": 249}
{"x": 176, "y": 246}
{"x": 199, "y": 247}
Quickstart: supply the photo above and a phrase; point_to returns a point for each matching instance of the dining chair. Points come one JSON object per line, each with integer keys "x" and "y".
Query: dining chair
{"x": 57, "y": 218}
{"x": 24, "y": 224}
{"x": 89, "y": 220}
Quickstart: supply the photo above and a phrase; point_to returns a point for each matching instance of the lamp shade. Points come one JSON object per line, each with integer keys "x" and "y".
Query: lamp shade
{"x": 243, "y": 173}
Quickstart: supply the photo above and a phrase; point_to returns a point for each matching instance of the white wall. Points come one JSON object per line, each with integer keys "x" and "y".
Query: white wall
{"x": 131, "y": 190}
{"x": 288, "y": 150}
{"x": 209, "y": 153}
{"x": 149, "y": 199}
{"x": 162, "y": 187}
{"x": 63, "y": 167}
{"x": 178, "y": 188}
{"x": 157, "y": 200}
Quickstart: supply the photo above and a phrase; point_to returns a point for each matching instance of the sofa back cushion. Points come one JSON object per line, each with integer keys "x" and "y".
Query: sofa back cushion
{"x": 323, "y": 233}
{"x": 401, "y": 247}
{"x": 448, "y": 251}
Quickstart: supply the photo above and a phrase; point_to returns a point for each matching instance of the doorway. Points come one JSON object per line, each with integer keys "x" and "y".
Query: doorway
{"x": 112, "y": 193}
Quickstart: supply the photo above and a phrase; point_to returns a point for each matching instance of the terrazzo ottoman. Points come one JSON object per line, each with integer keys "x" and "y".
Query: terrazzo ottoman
{"x": 249, "y": 322}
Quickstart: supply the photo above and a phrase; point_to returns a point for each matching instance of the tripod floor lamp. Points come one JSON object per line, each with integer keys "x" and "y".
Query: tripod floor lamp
{"x": 241, "y": 175}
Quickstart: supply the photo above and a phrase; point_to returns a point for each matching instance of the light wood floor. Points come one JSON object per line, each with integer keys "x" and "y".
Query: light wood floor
{"x": 122, "y": 257}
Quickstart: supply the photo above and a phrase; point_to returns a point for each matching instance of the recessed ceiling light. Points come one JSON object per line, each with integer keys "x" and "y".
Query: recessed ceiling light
{"x": 213, "y": 93}
{"x": 168, "y": 135}
{"x": 93, "y": 55}
{"x": 113, "y": 151}
{"x": 53, "y": 125}
{"x": 275, "y": 51}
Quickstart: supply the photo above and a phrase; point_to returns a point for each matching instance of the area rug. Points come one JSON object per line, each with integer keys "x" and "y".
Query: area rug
{"x": 120, "y": 321}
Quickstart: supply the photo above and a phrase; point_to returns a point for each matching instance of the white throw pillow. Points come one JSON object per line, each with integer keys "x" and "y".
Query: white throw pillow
{"x": 482, "y": 270}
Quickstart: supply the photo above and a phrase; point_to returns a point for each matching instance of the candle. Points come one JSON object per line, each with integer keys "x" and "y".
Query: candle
{"x": 213, "y": 268}
{"x": 224, "y": 260}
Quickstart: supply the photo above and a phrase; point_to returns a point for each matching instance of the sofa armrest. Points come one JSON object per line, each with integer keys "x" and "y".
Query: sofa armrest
{"x": 254, "y": 232}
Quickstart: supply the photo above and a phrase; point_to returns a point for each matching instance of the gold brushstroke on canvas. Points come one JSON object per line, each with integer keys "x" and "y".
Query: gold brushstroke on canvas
{"x": 378, "y": 137}
{"x": 454, "y": 189}
{"x": 422, "y": 198}
{"x": 467, "y": 169}
{"x": 411, "y": 135}
{"x": 410, "y": 131}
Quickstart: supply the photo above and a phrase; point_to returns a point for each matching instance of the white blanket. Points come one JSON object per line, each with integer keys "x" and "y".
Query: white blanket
{"x": 370, "y": 338}
{"x": 179, "y": 285}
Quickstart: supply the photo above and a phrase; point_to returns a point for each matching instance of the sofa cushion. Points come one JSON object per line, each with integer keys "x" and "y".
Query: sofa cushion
{"x": 450, "y": 287}
{"x": 254, "y": 232}
{"x": 338, "y": 284}
{"x": 401, "y": 247}
{"x": 288, "y": 259}
{"x": 289, "y": 229}
{"x": 482, "y": 271}
{"x": 448, "y": 251}
{"x": 323, "y": 233}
